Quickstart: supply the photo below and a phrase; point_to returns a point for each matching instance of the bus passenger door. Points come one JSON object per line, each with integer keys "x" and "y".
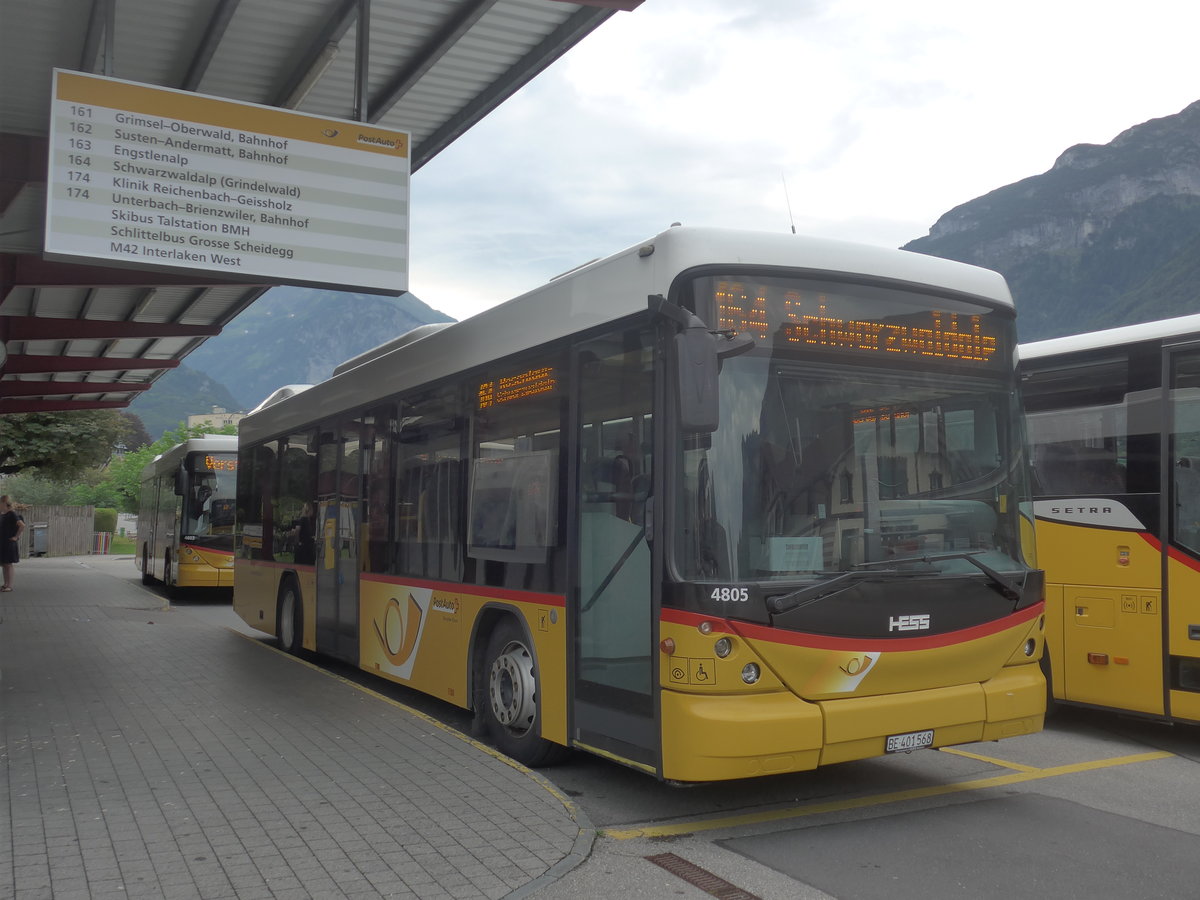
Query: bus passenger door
{"x": 1182, "y": 585}
{"x": 337, "y": 540}
{"x": 612, "y": 601}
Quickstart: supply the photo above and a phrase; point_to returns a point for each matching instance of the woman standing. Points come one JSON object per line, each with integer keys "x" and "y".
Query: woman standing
{"x": 11, "y": 526}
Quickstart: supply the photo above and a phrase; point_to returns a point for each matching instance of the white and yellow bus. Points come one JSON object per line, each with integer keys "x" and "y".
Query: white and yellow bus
{"x": 186, "y": 515}
{"x": 1114, "y": 423}
{"x": 723, "y": 504}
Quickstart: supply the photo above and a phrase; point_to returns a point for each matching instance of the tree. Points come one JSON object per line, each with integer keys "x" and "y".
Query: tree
{"x": 59, "y": 445}
{"x": 135, "y": 434}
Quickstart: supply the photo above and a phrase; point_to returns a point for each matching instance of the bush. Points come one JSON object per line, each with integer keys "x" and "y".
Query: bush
{"x": 105, "y": 520}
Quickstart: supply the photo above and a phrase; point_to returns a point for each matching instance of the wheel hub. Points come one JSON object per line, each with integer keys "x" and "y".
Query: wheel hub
{"x": 512, "y": 688}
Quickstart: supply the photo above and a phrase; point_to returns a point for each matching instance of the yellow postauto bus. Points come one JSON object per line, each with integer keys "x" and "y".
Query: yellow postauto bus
{"x": 723, "y": 504}
{"x": 186, "y": 515}
{"x": 1114, "y": 423}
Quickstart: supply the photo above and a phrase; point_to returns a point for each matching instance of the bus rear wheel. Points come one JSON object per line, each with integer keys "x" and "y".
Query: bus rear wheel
{"x": 511, "y": 701}
{"x": 289, "y": 618}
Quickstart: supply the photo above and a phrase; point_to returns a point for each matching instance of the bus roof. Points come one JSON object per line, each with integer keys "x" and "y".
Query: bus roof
{"x": 604, "y": 291}
{"x": 1111, "y": 337}
{"x": 170, "y": 459}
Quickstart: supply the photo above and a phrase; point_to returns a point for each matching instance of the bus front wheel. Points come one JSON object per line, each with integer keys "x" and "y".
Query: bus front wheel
{"x": 171, "y": 585}
{"x": 1048, "y": 673}
{"x": 289, "y": 618}
{"x": 511, "y": 701}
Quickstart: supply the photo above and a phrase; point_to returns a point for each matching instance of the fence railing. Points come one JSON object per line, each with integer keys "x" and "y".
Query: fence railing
{"x": 60, "y": 530}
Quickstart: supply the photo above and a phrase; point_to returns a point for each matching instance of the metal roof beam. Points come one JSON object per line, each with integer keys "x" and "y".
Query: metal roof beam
{"x": 29, "y": 364}
{"x": 208, "y": 44}
{"x": 558, "y": 42}
{"x": 28, "y": 270}
{"x": 32, "y": 406}
{"x": 316, "y": 57}
{"x": 53, "y": 388}
{"x": 95, "y": 32}
{"x": 456, "y": 25}
{"x": 30, "y": 328}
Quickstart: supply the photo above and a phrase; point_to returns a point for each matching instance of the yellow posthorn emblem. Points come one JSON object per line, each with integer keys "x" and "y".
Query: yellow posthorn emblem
{"x": 398, "y": 636}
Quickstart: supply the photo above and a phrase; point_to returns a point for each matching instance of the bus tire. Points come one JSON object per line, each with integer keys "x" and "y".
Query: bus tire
{"x": 510, "y": 698}
{"x": 147, "y": 574}
{"x": 289, "y": 618}
{"x": 1051, "y": 703}
{"x": 172, "y": 589}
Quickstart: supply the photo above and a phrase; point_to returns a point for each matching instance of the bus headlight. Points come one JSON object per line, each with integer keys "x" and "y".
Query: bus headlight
{"x": 750, "y": 673}
{"x": 723, "y": 647}
{"x": 1030, "y": 646}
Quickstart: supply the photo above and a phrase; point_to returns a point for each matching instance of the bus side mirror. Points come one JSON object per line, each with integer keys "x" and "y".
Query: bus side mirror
{"x": 698, "y": 355}
{"x": 696, "y": 379}
{"x": 180, "y": 481}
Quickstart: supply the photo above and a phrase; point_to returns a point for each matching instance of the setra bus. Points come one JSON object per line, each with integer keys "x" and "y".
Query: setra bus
{"x": 723, "y": 504}
{"x": 1114, "y": 425}
{"x": 186, "y": 514}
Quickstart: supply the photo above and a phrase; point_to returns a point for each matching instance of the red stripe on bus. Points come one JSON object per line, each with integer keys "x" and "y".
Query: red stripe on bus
{"x": 1174, "y": 553}
{"x": 270, "y": 564}
{"x": 473, "y": 590}
{"x": 826, "y": 642}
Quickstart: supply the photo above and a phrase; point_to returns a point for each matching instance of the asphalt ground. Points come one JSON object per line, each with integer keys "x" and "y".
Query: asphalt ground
{"x": 169, "y": 751}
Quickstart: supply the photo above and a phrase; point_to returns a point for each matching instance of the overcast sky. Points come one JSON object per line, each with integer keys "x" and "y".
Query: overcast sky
{"x": 871, "y": 118}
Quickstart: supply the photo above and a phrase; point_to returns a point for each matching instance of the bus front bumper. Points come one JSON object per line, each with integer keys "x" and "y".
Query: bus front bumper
{"x": 717, "y": 737}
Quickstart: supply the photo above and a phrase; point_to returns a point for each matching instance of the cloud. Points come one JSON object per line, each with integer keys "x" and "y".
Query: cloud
{"x": 878, "y": 117}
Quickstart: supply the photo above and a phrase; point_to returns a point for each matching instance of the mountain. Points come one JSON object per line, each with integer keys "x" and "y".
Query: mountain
{"x": 1109, "y": 236}
{"x": 180, "y": 392}
{"x": 289, "y": 335}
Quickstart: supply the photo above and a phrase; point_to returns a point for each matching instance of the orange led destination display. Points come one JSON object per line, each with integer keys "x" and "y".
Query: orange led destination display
{"x": 220, "y": 463}
{"x": 941, "y": 339}
{"x": 517, "y": 387}
{"x": 933, "y": 334}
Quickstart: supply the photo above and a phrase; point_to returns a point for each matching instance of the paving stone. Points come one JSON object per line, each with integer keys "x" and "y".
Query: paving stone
{"x": 180, "y": 760}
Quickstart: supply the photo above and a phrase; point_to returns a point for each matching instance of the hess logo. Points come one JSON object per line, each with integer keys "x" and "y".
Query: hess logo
{"x": 909, "y": 623}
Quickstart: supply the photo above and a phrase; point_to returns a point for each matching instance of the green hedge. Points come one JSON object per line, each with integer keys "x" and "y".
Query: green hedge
{"x": 105, "y": 520}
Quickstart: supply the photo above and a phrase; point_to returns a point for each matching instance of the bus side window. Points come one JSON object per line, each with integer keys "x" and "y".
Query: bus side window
{"x": 1055, "y": 469}
{"x": 428, "y": 506}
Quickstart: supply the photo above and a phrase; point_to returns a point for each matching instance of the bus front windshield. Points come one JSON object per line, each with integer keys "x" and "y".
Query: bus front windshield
{"x": 211, "y": 494}
{"x": 868, "y": 428}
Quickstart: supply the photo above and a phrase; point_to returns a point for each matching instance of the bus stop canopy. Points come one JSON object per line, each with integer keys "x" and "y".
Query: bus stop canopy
{"x": 90, "y": 337}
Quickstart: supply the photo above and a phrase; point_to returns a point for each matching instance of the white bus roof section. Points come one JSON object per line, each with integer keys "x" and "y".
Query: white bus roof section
{"x": 169, "y": 459}
{"x": 605, "y": 291}
{"x": 1163, "y": 329}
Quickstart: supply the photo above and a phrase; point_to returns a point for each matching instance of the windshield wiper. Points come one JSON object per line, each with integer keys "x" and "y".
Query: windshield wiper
{"x": 1007, "y": 586}
{"x": 842, "y": 580}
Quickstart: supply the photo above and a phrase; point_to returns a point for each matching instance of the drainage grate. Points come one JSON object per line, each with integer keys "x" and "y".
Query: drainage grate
{"x": 701, "y": 878}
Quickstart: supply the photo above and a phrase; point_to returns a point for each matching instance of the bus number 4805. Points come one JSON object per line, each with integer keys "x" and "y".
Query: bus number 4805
{"x": 730, "y": 595}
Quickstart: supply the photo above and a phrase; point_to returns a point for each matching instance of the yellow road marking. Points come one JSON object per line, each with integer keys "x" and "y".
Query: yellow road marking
{"x": 776, "y": 815}
{"x": 1002, "y": 763}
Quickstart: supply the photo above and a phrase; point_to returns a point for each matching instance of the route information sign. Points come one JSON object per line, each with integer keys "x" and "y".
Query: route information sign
{"x": 156, "y": 178}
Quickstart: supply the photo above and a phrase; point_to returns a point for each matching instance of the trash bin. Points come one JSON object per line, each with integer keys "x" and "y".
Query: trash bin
{"x": 39, "y": 538}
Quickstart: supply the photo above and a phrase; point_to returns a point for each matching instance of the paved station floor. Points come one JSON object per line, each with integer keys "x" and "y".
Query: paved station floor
{"x": 149, "y": 754}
